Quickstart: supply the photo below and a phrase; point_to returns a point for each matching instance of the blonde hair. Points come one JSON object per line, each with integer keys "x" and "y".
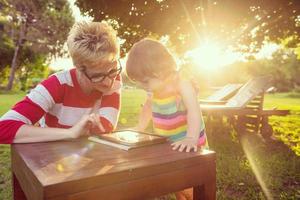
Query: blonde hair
{"x": 92, "y": 41}
{"x": 149, "y": 58}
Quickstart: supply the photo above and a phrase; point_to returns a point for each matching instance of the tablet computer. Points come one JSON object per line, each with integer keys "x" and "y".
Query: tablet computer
{"x": 133, "y": 138}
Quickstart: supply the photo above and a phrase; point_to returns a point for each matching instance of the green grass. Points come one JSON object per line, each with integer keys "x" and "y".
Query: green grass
{"x": 286, "y": 128}
{"x": 275, "y": 162}
{"x": 7, "y": 100}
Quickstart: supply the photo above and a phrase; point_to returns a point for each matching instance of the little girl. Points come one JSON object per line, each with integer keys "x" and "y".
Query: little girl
{"x": 172, "y": 100}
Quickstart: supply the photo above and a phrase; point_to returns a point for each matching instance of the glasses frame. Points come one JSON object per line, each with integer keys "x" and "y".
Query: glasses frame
{"x": 102, "y": 77}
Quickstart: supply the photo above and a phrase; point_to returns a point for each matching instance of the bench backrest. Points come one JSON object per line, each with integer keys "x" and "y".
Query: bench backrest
{"x": 225, "y": 92}
{"x": 249, "y": 91}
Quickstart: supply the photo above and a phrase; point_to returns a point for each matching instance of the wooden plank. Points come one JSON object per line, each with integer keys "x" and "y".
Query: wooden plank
{"x": 156, "y": 185}
{"x": 275, "y": 112}
{"x": 212, "y": 102}
{"x": 252, "y": 120}
{"x": 251, "y": 131}
{"x": 242, "y": 111}
{"x": 251, "y": 126}
{"x": 224, "y": 92}
{"x": 254, "y": 104}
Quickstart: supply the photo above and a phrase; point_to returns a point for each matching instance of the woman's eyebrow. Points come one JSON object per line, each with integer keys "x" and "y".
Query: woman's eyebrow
{"x": 104, "y": 73}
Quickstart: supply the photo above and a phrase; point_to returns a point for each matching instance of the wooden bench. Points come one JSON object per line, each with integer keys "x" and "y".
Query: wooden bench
{"x": 83, "y": 170}
{"x": 245, "y": 109}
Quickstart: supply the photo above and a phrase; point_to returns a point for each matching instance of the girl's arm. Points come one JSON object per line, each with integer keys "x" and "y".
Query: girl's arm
{"x": 145, "y": 115}
{"x": 189, "y": 98}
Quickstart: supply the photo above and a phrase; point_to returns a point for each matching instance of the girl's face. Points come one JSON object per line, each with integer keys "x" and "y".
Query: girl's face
{"x": 154, "y": 84}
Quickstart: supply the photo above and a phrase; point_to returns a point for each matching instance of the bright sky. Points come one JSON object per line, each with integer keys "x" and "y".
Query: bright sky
{"x": 66, "y": 62}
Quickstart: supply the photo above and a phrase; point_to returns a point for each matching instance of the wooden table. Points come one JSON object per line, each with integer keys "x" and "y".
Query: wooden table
{"x": 81, "y": 169}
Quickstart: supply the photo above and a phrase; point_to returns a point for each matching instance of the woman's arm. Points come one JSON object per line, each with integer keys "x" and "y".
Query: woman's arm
{"x": 31, "y": 108}
{"x": 29, "y": 133}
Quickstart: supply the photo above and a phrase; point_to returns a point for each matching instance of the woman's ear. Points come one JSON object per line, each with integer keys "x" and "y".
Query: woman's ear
{"x": 81, "y": 67}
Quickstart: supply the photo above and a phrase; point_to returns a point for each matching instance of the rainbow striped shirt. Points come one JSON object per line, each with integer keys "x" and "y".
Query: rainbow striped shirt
{"x": 170, "y": 118}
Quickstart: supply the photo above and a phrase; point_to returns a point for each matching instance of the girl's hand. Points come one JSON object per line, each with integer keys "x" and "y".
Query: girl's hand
{"x": 84, "y": 125}
{"x": 187, "y": 143}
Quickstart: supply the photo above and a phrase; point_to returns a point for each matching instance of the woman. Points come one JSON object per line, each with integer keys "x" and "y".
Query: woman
{"x": 83, "y": 100}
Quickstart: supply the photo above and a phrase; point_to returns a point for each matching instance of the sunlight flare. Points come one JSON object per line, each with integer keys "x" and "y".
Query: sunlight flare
{"x": 211, "y": 56}
{"x": 248, "y": 149}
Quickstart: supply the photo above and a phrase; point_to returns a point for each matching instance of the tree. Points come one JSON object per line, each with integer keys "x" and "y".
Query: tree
{"x": 39, "y": 25}
{"x": 6, "y": 43}
{"x": 283, "y": 66}
{"x": 189, "y": 21}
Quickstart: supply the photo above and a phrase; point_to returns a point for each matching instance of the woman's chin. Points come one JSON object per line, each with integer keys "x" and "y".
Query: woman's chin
{"x": 103, "y": 88}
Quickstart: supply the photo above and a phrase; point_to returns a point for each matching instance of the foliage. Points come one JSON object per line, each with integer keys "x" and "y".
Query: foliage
{"x": 283, "y": 66}
{"x": 32, "y": 73}
{"x": 6, "y": 51}
{"x": 32, "y": 30}
{"x": 47, "y": 22}
{"x": 237, "y": 22}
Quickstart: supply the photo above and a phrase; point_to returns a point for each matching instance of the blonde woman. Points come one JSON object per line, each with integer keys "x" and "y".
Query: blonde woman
{"x": 83, "y": 100}
{"x": 80, "y": 101}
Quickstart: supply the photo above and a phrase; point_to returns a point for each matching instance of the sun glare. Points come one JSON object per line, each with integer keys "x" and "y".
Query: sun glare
{"x": 210, "y": 56}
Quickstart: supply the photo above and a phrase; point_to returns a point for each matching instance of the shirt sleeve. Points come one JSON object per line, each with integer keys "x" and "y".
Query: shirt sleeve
{"x": 30, "y": 109}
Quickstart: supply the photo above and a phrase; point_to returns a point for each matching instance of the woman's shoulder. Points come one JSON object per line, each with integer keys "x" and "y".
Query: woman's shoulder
{"x": 65, "y": 76}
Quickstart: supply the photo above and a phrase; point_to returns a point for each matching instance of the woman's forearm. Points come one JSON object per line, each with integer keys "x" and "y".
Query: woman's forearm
{"x": 28, "y": 133}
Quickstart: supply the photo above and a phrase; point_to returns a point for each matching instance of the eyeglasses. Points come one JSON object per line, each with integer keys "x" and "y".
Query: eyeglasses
{"x": 99, "y": 77}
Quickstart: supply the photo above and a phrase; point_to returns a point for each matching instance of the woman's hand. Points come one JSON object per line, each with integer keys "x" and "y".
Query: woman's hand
{"x": 187, "y": 143}
{"x": 85, "y": 124}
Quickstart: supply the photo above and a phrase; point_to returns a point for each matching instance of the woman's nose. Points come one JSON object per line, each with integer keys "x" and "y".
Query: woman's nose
{"x": 107, "y": 81}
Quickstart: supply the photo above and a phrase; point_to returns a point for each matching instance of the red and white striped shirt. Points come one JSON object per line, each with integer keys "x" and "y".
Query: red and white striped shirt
{"x": 61, "y": 102}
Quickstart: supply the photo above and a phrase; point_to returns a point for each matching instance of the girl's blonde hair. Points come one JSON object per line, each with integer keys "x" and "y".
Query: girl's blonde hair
{"x": 149, "y": 58}
{"x": 92, "y": 41}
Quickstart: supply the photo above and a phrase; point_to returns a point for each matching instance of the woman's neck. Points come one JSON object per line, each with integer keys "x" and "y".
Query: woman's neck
{"x": 84, "y": 86}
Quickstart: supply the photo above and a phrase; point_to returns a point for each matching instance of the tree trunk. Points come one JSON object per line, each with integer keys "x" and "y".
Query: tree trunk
{"x": 15, "y": 57}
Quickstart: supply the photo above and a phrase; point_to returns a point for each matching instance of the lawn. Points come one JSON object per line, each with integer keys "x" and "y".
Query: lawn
{"x": 247, "y": 168}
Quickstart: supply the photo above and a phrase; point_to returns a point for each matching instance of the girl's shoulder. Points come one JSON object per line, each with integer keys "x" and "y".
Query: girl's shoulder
{"x": 185, "y": 82}
{"x": 182, "y": 80}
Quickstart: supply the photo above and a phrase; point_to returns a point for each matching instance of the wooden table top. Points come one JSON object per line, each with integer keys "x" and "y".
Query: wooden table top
{"x": 80, "y": 164}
